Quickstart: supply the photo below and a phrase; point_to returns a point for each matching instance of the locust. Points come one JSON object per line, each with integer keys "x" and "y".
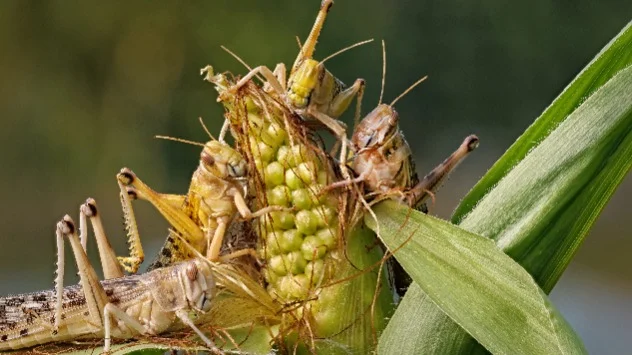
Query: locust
{"x": 310, "y": 89}
{"x": 383, "y": 160}
{"x": 384, "y": 165}
{"x": 217, "y": 193}
{"x": 119, "y": 307}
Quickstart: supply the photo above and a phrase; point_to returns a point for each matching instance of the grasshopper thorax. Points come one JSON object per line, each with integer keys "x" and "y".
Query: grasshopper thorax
{"x": 222, "y": 161}
{"x": 303, "y": 81}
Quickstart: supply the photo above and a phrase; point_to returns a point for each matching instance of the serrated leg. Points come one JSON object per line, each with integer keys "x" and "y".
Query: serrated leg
{"x": 136, "y": 256}
{"x": 168, "y": 205}
{"x": 433, "y": 180}
{"x": 93, "y": 292}
{"x": 174, "y": 215}
{"x": 109, "y": 262}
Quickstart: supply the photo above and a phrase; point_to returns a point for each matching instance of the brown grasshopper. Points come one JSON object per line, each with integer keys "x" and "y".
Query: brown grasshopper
{"x": 216, "y": 194}
{"x": 383, "y": 159}
{"x": 119, "y": 307}
{"x": 384, "y": 164}
{"x": 311, "y": 90}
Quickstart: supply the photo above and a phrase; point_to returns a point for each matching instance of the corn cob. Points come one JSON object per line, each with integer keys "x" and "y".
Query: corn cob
{"x": 305, "y": 248}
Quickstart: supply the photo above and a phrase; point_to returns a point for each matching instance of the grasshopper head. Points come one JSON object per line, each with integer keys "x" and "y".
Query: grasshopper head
{"x": 303, "y": 81}
{"x": 382, "y": 153}
{"x": 222, "y": 161}
{"x": 376, "y": 129}
{"x": 199, "y": 284}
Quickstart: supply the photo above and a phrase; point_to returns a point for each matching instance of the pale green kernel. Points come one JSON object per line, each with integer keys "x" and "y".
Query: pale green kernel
{"x": 328, "y": 237}
{"x": 298, "y": 154}
{"x": 291, "y": 240}
{"x": 292, "y": 180}
{"x": 298, "y": 287}
{"x": 324, "y": 215}
{"x": 307, "y": 172}
{"x": 282, "y": 219}
{"x": 266, "y": 152}
{"x": 313, "y": 248}
{"x": 259, "y": 165}
{"x": 278, "y": 264}
{"x": 295, "y": 263}
{"x": 277, "y": 133}
{"x": 255, "y": 121}
{"x": 251, "y": 107}
{"x": 279, "y": 196}
{"x": 273, "y": 242}
{"x": 284, "y": 285}
{"x": 270, "y": 276}
{"x": 265, "y": 137}
{"x": 274, "y": 174}
{"x": 283, "y": 155}
{"x": 302, "y": 199}
{"x": 314, "y": 271}
{"x": 306, "y": 222}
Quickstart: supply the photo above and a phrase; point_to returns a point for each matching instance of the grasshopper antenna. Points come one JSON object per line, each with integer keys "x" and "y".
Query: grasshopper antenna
{"x": 180, "y": 140}
{"x": 346, "y": 49}
{"x": 236, "y": 57}
{"x": 206, "y": 129}
{"x": 241, "y": 61}
{"x": 298, "y": 41}
{"x": 307, "y": 51}
{"x": 383, "y": 72}
{"x": 408, "y": 90}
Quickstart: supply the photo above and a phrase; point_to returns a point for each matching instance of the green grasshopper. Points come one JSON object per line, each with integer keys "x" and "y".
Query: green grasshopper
{"x": 311, "y": 90}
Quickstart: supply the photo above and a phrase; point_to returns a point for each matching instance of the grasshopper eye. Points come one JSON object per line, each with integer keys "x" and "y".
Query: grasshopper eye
{"x": 207, "y": 159}
{"x": 192, "y": 272}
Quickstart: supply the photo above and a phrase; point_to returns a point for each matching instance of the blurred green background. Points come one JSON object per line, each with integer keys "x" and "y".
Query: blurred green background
{"x": 85, "y": 85}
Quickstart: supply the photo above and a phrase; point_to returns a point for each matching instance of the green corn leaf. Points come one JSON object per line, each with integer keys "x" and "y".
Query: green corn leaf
{"x": 540, "y": 199}
{"x": 616, "y": 56}
{"x": 474, "y": 282}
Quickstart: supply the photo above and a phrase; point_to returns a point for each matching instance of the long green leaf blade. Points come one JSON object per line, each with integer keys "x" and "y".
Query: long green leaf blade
{"x": 583, "y": 200}
{"x": 540, "y": 212}
{"x": 474, "y": 282}
{"x": 615, "y": 56}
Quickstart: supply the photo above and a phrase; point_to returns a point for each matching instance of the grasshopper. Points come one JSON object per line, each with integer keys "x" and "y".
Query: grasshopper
{"x": 383, "y": 159}
{"x": 311, "y": 90}
{"x": 384, "y": 164}
{"x": 120, "y": 307}
{"x": 216, "y": 194}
